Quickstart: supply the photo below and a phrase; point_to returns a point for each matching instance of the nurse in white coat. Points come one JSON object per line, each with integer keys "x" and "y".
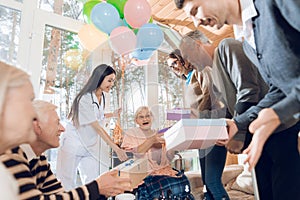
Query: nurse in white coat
{"x": 85, "y": 144}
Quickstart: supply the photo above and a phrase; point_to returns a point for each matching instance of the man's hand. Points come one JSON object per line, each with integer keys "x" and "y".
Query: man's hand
{"x": 268, "y": 119}
{"x": 265, "y": 124}
{"x": 231, "y": 129}
{"x": 110, "y": 184}
{"x": 232, "y": 146}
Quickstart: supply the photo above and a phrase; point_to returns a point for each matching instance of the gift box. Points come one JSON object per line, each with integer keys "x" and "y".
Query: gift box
{"x": 178, "y": 114}
{"x": 195, "y": 134}
{"x": 134, "y": 169}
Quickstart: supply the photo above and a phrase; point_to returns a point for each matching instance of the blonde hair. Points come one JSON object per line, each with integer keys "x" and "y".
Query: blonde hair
{"x": 140, "y": 109}
{"x": 10, "y": 77}
{"x": 42, "y": 108}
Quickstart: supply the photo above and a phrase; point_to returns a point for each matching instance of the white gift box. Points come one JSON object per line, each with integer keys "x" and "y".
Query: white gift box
{"x": 195, "y": 134}
{"x": 134, "y": 169}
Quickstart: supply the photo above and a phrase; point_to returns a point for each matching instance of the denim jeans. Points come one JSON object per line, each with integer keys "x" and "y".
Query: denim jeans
{"x": 212, "y": 161}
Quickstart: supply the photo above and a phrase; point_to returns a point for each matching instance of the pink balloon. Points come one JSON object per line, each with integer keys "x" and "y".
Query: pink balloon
{"x": 122, "y": 40}
{"x": 137, "y": 12}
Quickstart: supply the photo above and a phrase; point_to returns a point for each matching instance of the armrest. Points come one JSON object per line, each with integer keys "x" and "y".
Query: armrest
{"x": 178, "y": 162}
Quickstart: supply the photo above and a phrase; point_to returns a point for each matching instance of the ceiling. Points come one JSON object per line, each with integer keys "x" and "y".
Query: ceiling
{"x": 165, "y": 12}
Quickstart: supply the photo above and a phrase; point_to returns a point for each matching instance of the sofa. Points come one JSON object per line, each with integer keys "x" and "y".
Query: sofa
{"x": 236, "y": 179}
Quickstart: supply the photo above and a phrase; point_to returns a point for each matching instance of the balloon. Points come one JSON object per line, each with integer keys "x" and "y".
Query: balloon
{"x": 135, "y": 30}
{"x": 73, "y": 58}
{"x": 122, "y": 40}
{"x": 87, "y": 8}
{"x": 105, "y": 17}
{"x": 142, "y": 54}
{"x": 149, "y": 36}
{"x": 137, "y": 12}
{"x": 126, "y": 24}
{"x": 90, "y": 37}
{"x": 121, "y": 23}
{"x": 119, "y": 5}
{"x": 151, "y": 20}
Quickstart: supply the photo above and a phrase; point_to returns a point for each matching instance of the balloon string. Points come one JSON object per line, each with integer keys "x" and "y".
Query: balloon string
{"x": 123, "y": 84}
{"x": 117, "y": 133}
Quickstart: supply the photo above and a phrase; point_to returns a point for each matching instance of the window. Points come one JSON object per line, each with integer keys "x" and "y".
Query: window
{"x": 67, "y": 8}
{"x": 9, "y": 34}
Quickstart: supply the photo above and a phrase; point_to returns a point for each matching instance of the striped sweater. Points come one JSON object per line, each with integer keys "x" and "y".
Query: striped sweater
{"x": 36, "y": 180}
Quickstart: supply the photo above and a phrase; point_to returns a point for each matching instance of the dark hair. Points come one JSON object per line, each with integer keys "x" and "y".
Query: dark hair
{"x": 176, "y": 54}
{"x": 95, "y": 80}
{"x": 179, "y": 3}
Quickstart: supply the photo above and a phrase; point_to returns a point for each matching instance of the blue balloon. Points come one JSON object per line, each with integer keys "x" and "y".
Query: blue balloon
{"x": 105, "y": 17}
{"x": 150, "y": 36}
{"x": 121, "y": 23}
{"x": 142, "y": 54}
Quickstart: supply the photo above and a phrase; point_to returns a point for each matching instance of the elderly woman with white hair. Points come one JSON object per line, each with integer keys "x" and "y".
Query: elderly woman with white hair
{"x": 163, "y": 181}
{"x": 16, "y": 117}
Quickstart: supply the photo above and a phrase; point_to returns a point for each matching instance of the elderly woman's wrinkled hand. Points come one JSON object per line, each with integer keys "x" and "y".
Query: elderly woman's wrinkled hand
{"x": 157, "y": 141}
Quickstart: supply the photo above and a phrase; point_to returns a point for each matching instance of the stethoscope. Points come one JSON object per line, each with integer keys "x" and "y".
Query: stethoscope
{"x": 97, "y": 104}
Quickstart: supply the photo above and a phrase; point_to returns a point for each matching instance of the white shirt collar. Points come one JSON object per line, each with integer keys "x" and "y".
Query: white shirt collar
{"x": 28, "y": 151}
{"x": 245, "y": 32}
{"x": 248, "y": 9}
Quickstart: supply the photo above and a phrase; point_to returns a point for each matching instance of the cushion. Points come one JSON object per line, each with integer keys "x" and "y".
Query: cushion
{"x": 194, "y": 178}
{"x": 195, "y": 183}
{"x": 243, "y": 182}
{"x": 231, "y": 159}
{"x": 231, "y": 172}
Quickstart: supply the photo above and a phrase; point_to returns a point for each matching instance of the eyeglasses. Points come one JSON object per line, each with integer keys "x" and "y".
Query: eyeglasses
{"x": 141, "y": 117}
